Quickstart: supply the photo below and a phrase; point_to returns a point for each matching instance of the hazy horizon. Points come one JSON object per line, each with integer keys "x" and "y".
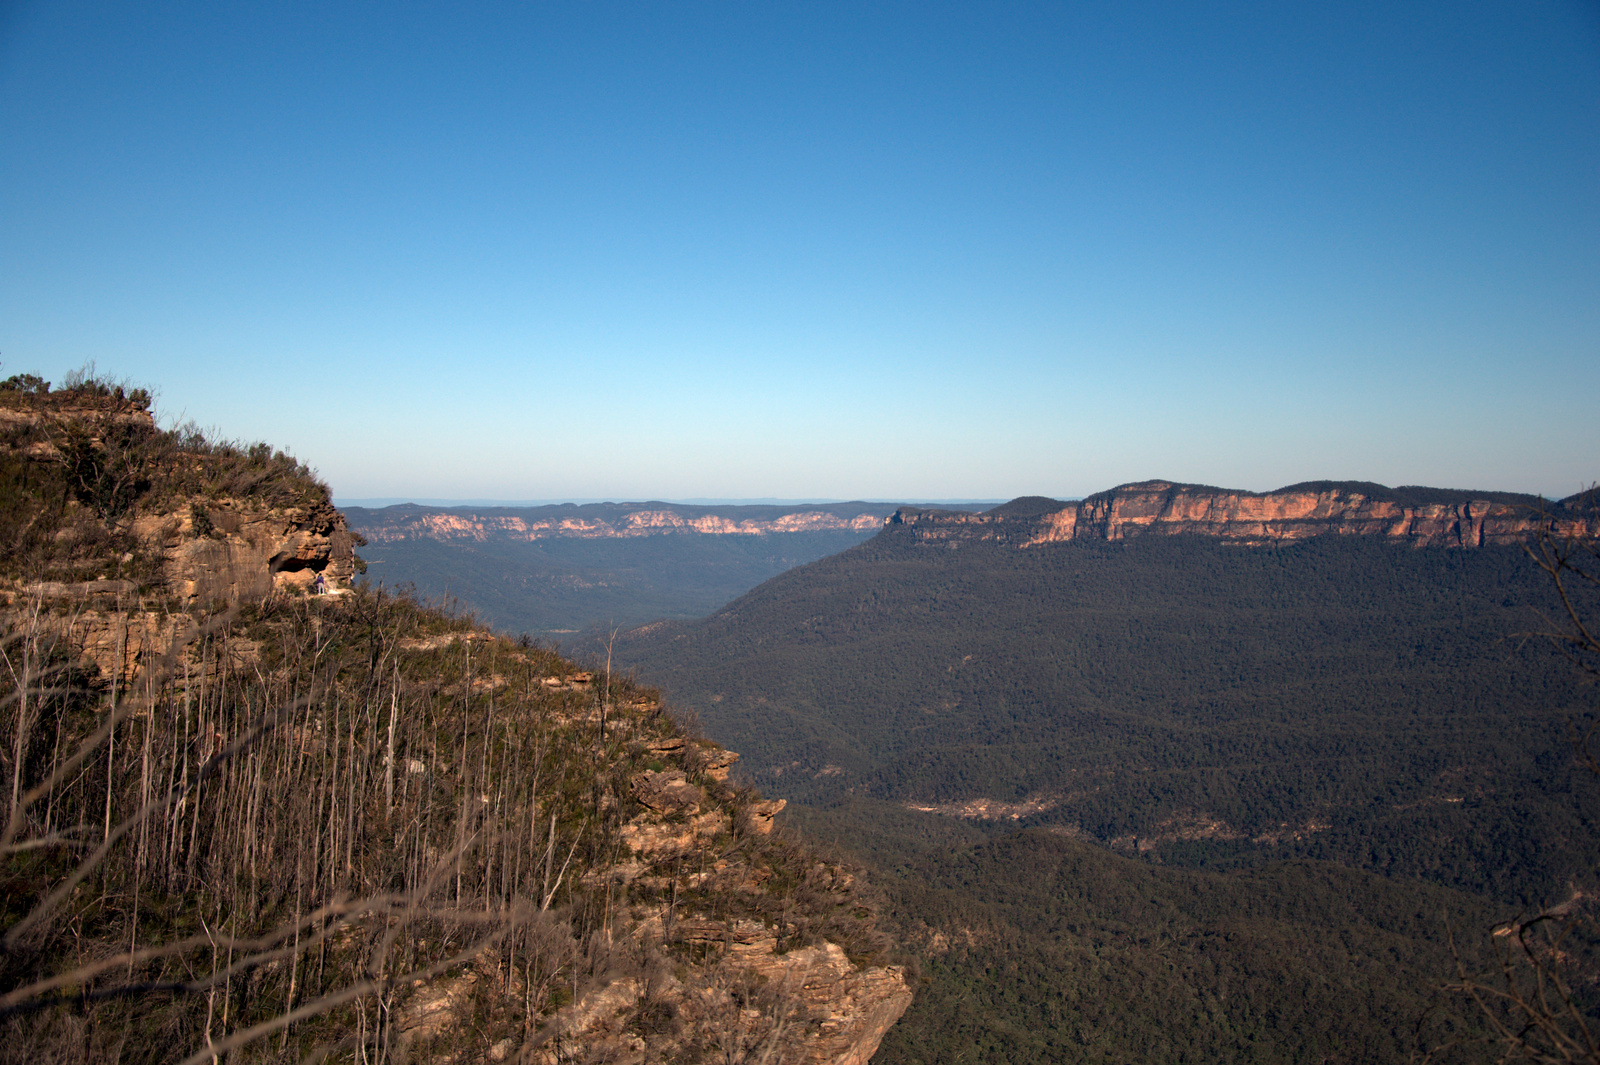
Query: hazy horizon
{"x": 393, "y": 501}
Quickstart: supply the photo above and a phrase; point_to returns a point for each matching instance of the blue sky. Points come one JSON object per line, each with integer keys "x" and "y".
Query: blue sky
{"x": 598, "y": 250}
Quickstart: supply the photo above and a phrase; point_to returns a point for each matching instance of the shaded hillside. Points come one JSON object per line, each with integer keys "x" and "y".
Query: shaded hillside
{"x": 565, "y": 572}
{"x": 1337, "y": 698}
{"x": 1148, "y": 703}
{"x": 1044, "y": 948}
{"x": 249, "y": 822}
{"x": 1040, "y": 947}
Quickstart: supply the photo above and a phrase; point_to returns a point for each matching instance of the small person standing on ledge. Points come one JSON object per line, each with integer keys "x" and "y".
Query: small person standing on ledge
{"x": 319, "y": 585}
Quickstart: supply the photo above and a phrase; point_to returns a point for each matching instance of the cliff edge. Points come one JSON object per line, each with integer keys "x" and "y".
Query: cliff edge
{"x": 1421, "y": 517}
{"x": 258, "y": 812}
{"x": 609, "y": 521}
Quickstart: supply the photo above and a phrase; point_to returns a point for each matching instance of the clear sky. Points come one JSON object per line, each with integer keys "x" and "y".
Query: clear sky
{"x": 602, "y": 250}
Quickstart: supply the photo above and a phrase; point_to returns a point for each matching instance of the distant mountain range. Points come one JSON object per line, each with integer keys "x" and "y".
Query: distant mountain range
{"x": 567, "y": 572}
{"x": 600, "y": 521}
{"x": 380, "y": 503}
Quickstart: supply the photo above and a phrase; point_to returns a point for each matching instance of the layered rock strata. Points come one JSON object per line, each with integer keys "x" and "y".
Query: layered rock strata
{"x": 249, "y": 551}
{"x": 619, "y": 521}
{"x": 205, "y": 550}
{"x": 1419, "y": 517}
{"x": 671, "y": 922}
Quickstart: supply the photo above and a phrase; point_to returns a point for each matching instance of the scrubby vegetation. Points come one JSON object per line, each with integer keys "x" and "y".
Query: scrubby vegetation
{"x": 379, "y": 796}
{"x": 80, "y": 465}
{"x": 340, "y": 825}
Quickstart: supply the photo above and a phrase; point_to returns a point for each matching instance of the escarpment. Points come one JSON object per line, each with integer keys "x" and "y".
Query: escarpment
{"x": 247, "y": 820}
{"x": 609, "y": 521}
{"x": 120, "y": 530}
{"x": 1422, "y": 517}
{"x": 203, "y": 521}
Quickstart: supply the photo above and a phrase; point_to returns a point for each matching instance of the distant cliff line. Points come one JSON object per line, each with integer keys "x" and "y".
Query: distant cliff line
{"x": 598, "y": 521}
{"x": 1422, "y": 517}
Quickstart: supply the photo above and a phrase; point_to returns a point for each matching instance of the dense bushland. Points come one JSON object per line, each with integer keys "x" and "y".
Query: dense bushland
{"x": 1202, "y": 704}
{"x": 1046, "y": 948}
{"x": 269, "y": 832}
{"x": 1210, "y": 752}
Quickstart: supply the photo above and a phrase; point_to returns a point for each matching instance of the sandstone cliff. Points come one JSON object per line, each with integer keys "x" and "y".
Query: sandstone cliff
{"x": 342, "y": 824}
{"x": 121, "y": 528}
{"x": 608, "y": 521}
{"x": 1422, "y": 517}
{"x": 216, "y": 521}
{"x": 717, "y": 942}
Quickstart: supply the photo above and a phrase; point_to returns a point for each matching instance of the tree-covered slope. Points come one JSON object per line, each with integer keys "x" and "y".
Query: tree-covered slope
{"x": 1315, "y": 729}
{"x": 1043, "y": 948}
{"x": 1338, "y": 698}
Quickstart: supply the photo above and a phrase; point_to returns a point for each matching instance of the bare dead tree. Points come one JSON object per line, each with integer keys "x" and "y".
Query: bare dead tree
{"x": 1538, "y": 1002}
{"x": 293, "y": 794}
{"x": 1572, "y": 561}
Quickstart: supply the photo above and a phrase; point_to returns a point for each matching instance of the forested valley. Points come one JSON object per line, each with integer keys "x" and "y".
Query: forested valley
{"x": 569, "y": 574}
{"x": 1171, "y": 798}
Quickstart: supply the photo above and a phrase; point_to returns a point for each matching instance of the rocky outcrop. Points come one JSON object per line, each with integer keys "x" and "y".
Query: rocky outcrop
{"x": 122, "y": 626}
{"x": 811, "y": 1006}
{"x": 244, "y": 552}
{"x": 565, "y": 877}
{"x": 735, "y": 980}
{"x": 1421, "y": 517}
{"x": 132, "y": 499}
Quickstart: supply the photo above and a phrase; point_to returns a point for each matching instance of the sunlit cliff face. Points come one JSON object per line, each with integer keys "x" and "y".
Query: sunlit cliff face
{"x": 636, "y": 523}
{"x": 1245, "y": 517}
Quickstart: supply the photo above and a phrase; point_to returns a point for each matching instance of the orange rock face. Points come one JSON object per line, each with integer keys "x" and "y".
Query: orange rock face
{"x": 212, "y": 551}
{"x": 1160, "y": 507}
{"x": 482, "y": 527}
{"x": 254, "y": 550}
